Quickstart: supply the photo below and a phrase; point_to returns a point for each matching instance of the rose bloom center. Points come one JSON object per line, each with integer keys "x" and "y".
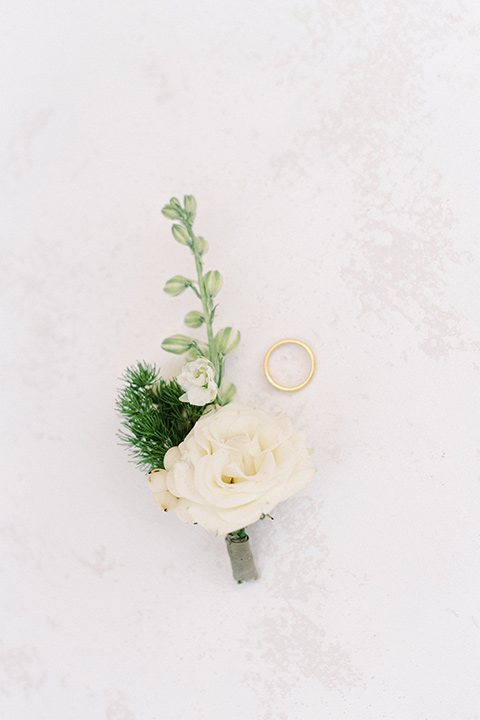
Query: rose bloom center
{"x": 241, "y": 462}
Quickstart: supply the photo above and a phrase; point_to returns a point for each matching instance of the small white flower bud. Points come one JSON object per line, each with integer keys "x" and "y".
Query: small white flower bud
{"x": 201, "y": 245}
{"x": 226, "y": 392}
{"x": 190, "y": 206}
{"x": 180, "y": 234}
{"x": 177, "y": 344}
{"x": 176, "y": 285}
{"x": 175, "y": 203}
{"x": 213, "y": 282}
{"x": 194, "y": 319}
{"x": 170, "y": 212}
{"x": 227, "y": 340}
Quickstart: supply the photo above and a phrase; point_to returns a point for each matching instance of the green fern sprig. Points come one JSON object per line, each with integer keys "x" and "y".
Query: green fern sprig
{"x": 153, "y": 416}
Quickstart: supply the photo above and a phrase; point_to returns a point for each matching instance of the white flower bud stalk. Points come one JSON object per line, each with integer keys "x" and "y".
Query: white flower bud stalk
{"x": 226, "y": 340}
{"x": 177, "y": 344}
{"x": 213, "y": 282}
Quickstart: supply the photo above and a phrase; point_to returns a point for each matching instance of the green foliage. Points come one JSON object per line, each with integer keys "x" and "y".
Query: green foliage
{"x": 153, "y": 417}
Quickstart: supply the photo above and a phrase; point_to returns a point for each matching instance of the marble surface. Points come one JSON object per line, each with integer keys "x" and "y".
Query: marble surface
{"x": 333, "y": 148}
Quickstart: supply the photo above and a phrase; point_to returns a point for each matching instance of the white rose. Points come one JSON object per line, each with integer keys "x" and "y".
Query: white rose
{"x": 197, "y": 379}
{"x": 234, "y": 466}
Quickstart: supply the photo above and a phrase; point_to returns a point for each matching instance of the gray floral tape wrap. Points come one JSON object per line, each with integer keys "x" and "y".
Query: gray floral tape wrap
{"x": 241, "y": 558}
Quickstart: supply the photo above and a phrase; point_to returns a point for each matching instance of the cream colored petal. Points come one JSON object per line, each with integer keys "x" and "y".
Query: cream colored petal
{"x": 183, "y": 511}
{"x": 213, "y": 520}
{"x": 232, "y": 519}
{"x": 302, "y": 477}
{"x": 181, "y": 482}
{"x": 200, "y": 395}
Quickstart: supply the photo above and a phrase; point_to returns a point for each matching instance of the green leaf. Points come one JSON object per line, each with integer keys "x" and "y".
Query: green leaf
{"x": 194, "y": 319}
{"x": 226, "y": 340}
{"x": 180, "y": 234}
{"x": 176, "y": 285}
{"x": 213, "y": 282}
{"x": 177, "y": 344}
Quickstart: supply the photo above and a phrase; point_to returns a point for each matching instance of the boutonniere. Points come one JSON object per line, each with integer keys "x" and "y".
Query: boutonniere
{"x": 214, "y": 462}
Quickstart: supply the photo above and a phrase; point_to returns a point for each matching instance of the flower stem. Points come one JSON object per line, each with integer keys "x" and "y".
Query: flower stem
{"x": 207, "y": 305}
{"x": 239, "y": 533}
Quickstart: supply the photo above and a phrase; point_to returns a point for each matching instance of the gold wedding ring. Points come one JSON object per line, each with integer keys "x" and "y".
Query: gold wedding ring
{"x": 289, "y": 342}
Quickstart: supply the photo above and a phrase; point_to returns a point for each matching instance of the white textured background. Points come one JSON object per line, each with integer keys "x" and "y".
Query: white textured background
{"x": 334, "y": 151}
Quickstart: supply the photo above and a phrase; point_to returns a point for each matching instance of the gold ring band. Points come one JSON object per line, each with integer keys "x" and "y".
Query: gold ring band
{"x": 267, "y": 371}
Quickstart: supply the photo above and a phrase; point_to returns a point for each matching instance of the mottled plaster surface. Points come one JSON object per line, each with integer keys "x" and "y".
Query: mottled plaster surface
{"x": 334, "y": 152}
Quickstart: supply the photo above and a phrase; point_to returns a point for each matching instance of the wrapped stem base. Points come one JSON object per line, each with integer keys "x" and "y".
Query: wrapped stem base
{"x": 241, "y": 558}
